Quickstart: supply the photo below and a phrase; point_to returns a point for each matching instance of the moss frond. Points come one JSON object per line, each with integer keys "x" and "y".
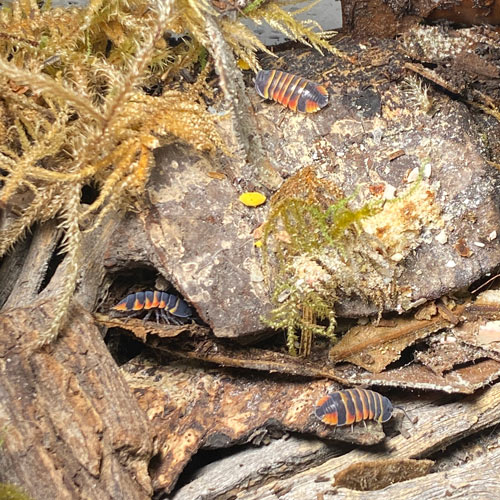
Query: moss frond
{"x": 319, "y": 245}
{"x": 285, "y": 22}
{"x": 243, "y": 42}
{"x": 74, "y": 111}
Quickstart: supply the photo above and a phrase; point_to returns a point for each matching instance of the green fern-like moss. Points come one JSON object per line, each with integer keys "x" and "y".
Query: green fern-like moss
{"x": 319, "y": 244}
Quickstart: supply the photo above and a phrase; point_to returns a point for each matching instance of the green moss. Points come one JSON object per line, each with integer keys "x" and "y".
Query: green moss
{"x": 12, "y": 492}
{"x": 313, "y": 247}
{"x": 319, "y": 244}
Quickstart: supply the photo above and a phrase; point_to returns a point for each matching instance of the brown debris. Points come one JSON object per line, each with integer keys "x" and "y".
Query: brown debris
{"x": 377, "y": 474}
{"x": 396, "y": 154}
{"x": 462, "y": 249}
{"x": 445, "y": 352}
{"x": 426, "y": 312}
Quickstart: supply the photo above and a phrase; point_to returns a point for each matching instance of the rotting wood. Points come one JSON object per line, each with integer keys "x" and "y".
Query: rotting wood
{"x": 374, "y": 347}
{"x": 141, "y": 329}
{"x": 436, "y": 428}
{"x": 30, "y": 277}
{"x": 466, "y": 379}
{"x": 191, "y": 406}
{"x": 463, "y": 379}
{"x": 445, "y": 351}
{"x": 252, "y": 466}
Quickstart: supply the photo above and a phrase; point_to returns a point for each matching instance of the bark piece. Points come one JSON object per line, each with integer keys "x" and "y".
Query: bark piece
{"x": 445, "y": 351}
{"x": 141, "y": 329}
{"x": 223, "y": 478}
{"x": 191, "y": 406}
{"x": 436, "y": 428}
{"x": 202, "y": 237}
{"x": 462, "y": 59}
{"x": 73, "y": 428}
{"x": 374, "y": 347}
{"x": 225, "y": 354}
{"x": 375, "y": 475}
{"x": 464, "y": 380}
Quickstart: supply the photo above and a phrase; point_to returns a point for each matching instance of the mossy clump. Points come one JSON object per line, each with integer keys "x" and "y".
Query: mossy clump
{"x": 319, "y": 245}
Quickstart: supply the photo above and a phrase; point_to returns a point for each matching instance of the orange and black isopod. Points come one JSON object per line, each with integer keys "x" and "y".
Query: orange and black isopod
{"x": 294, "y": 91}
{"x": 353, "y": 405}
{"x": 166, "y": 306}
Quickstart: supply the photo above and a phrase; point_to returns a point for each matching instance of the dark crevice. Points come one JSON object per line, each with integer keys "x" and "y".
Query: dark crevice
{"x": 54, "y": 262}
{"x": 89, "y": 194}
{"x": 203, "y": 458}
{"x": 122, "y": 346}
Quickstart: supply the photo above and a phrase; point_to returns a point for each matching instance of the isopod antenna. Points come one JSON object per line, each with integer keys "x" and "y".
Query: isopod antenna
{"x": 406, "y": 414}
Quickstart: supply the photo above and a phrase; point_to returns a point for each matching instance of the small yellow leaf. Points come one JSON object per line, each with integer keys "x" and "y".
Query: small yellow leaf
{"x": 258, "y": 243}
{"x": 243, "y": 64}
{"x": 252, "y": 199}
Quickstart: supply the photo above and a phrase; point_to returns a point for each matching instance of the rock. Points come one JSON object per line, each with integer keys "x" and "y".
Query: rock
{"x": 377, "y": 129}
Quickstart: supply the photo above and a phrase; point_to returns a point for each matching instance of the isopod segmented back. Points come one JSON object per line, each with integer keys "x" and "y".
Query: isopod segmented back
{"x": 165, "y": 305}
{"x": 353, "y": 405}
{"x": 293, "y": 91}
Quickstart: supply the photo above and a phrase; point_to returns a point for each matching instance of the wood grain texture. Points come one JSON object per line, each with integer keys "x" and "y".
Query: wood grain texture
{"x": 477, "y": 479}
{"x": 437, "y": 427}
{"x": 71, "y": 427}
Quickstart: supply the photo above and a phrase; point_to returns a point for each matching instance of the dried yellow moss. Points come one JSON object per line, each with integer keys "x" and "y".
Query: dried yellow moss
{"x": 77, "y": 105}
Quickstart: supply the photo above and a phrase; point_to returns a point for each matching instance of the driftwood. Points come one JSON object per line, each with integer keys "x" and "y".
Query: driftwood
{"x": 252, "y": 466}
{"x": 70, "y": 425}
{"x": 437, "y": 427}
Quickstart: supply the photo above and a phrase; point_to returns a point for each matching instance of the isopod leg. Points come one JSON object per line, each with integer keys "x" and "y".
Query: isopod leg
{"x": 148, "y": 315}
